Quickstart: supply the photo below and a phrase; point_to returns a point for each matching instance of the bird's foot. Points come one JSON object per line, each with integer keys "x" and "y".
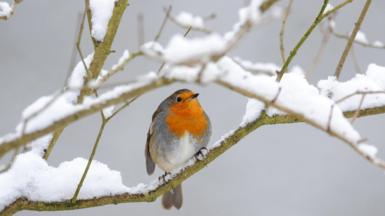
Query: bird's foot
{"x": 163, "y": 178}
{"x": 201, "y": 154}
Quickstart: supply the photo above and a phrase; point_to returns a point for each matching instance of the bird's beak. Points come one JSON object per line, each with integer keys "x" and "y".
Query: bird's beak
{"x": 195, "y": 95}
{"x": 192, "y": 97}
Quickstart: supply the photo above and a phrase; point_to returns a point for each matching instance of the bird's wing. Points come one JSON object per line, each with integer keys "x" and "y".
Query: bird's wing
{"x": 150, "y": 165}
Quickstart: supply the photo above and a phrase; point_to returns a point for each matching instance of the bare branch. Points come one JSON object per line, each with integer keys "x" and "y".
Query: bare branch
{"x": 349, "y": 44}
{"x": 282, "y": 30}
{"x": 168, "y": 11}
{"x": 293, "y": 52}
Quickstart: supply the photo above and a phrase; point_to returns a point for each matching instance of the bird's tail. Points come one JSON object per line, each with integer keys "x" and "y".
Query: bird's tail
{"x": 173, "y": 198}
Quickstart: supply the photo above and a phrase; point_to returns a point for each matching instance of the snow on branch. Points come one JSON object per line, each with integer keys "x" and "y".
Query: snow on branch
{"x": 360, "y": 39}
{"x": 101, "y": 11}
{"x": 6, "y": 9}
{"x": 32, "y": 178}
{"x": 187, "y": 20}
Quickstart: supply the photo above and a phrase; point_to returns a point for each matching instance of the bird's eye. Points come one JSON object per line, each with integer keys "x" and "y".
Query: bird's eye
{"x": 178, "y": 99}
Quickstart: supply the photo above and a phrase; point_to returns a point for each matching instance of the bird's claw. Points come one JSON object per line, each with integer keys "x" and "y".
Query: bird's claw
{"x": 201, "y": 154}
{"x": 162, "y": 179}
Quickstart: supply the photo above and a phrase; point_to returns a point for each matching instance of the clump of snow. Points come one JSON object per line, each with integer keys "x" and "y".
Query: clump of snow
{"x": 258, "y": 67}
{"x": 36, "y": 106}
{"x": 40, "y": 145}
{"x": 5, "y": 9}
{"x": 378, "y": 43}
{"x": 60, "y": 107}
{"x": 250, "y": 13}
{"x": 30, "y": 176}
{"x": 296, "y": 96}
{"x": 189, "y": 20}
{"x": 107, "y": 112}
{"x": 361, "y": 37}
{"x": 253, "y": 111}
{"x": 181, "y": 50}
{"x": 247, "y": 15}
{"x": 276, "y": 12}
{"x": 369, "y": 150}
{"x": 152, "y": 49}
{"x": 373, "y": 81}
{"x": 101, "y": 11}
{"x": 76, "y": 80}
{"x": 205, "y": 74}
{"x": 328, "y": 8}
{"x": 122, "y": 59}
{"x": 377, "y": 74}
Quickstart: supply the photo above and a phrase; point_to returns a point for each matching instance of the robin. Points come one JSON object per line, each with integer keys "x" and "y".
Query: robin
{"x": 180, "y": 129}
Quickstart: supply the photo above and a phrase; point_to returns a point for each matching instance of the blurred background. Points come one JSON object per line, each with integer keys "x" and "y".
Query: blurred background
{"x": 285, "y": 170}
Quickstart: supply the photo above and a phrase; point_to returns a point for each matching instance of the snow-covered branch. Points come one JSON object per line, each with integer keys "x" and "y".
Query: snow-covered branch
{"x": 7, "y": 10}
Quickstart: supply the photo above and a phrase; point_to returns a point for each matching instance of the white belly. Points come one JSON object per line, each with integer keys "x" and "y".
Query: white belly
{"x": 185, "y": 150}
{"x": 181, "y": 151}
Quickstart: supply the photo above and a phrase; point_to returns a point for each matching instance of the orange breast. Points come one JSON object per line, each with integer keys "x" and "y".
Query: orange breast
{"x": 188, "y": 117}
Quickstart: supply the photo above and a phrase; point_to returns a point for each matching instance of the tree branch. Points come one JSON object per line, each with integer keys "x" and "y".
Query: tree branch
{"x": 349, "y": 44}
{"x": 222, "y": 146}
{"x": 103, "y": 49}
{"x": 293, "y": 52}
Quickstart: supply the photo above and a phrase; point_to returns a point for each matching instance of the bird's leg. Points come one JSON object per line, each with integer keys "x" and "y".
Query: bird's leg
{"x": 201, "y": 154}
{"x": 162, "y": 178}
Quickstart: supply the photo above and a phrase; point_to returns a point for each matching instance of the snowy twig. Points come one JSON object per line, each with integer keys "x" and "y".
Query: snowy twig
{"x": 123, "y": 61}
{"x": 151, "y": 195}
{"x": 103, "y": 48}
{"x": 186, "y": 25}
{"x": 357, "y": 112}
{"x": 6, "y": 10}
{"x": 358, "y": 93}
{"x": 375, "y": 45}
{"x": 349, "y": 43}
{"x": 282, "y": 30}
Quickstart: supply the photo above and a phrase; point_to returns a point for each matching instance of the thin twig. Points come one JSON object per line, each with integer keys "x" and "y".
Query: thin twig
{"x": 104, "y": 121}
{"x": 324, "y": 41}
{"x": 336, "y": 8}
{"x": 282, "y": 30}
{"x": 95, "y": 146}
{"x": 168, "y": 11}
{"x": 357, "y": 113}
{"x": 140, "y": 26}
{"x": 78, "y": 41}
{"x": 293, "y": 52}
{"x": 58, "y": 132}
{"x": 358, "y": 93}
{"x": 355, "y": 61}
{"x": 349, "y": 44}
{"x": 358, "y": 42}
